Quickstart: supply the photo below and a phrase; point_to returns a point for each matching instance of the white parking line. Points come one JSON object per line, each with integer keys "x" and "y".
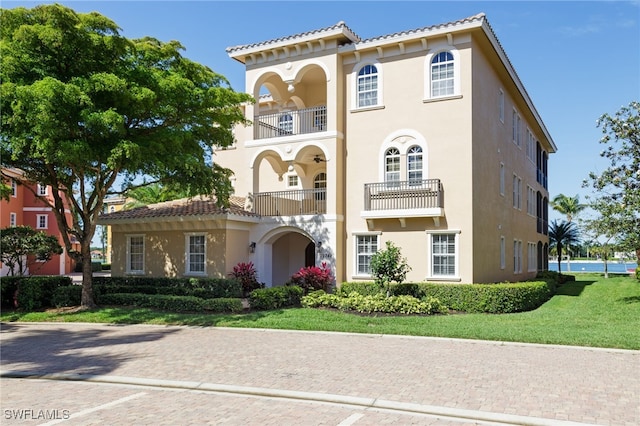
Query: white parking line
{"x": 98, "y": 408}
{"x": 351, "y": 419}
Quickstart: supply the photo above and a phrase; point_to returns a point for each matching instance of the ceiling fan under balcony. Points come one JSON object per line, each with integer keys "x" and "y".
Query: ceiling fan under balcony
{"x": 318, "y": 159}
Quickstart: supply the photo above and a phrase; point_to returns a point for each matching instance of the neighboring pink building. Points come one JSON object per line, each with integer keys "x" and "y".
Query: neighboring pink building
{"x": 27, "y": 207}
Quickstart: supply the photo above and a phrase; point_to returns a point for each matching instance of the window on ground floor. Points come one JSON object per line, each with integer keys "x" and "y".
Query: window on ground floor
{"x": 135, "y": 254}
{"x": 196, "y": 254}
{"x": 366, "y": 246}
{"x": 444, "y": 254}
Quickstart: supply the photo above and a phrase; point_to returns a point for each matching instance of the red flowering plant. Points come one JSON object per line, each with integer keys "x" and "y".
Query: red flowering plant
{"x": 312, "y": 278}
{"x": 248, "y": 277}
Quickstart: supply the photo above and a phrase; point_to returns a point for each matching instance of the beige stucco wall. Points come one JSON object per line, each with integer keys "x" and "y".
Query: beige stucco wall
{"x": 165, "y": 249}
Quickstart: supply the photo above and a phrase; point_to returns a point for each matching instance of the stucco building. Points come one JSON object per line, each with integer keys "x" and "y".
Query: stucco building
{"x": 426, "y": 138}
{"x": 26, "y": 206}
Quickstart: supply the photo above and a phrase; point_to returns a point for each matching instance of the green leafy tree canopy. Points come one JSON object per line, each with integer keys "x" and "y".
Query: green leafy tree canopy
{"x": 388, "y": 265}
{"x": 616, "y": 198}
{"x": 82, "y": 106}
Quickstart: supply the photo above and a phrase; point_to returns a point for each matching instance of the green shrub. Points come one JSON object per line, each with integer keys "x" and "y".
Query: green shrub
{"x": 106, "y": 266}
{"x": 363, "y": 288}
{"x": 275, "y": 297}
{"x": 208, "y": 288}
{"x": 70, "y": 295}
{"x": 232, "y": 305}
{"x": 355, "y": 301}
{"x": 31, "y": 292}
{"x": 311, "y": 278}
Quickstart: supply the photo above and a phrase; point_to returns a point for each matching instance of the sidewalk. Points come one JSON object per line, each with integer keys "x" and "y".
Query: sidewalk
{"x": 489, "y": 381}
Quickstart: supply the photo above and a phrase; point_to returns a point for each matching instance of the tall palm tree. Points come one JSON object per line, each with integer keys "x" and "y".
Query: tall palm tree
{"x": 151, "y": 194}
{"x": 569, "y": 206}
{"x": 561, "y": 235}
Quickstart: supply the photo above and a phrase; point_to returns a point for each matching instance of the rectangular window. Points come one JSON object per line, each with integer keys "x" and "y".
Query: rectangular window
{"x": 501, "y": 178}
{"x": 135, "y": 254}
{"x": 531, "y": 147}
{"x": 502, "y": 253}
{"x": 501, "y": 105}
{"x": 292, "y": 181}
{"x": 532, "y": 258}
{"x": 13, "y": 219}
{"x": 366, "y": 246}
{"x": 517, "y": 257}
{"x": 517, "y": 192}
{"x": 531, "y": 201}
{"x": 42, "y": 221}
{"x": 516, "y": 128}
{"x": 443, "y": 255}
{"x": 42, "y": 190}
{"x": 14, "y": 188}
{"x": 196, "y": 254}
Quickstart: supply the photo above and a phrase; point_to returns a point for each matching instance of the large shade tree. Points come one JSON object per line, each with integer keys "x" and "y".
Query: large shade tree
{"x": 17, "y": 243}
{"x": 616, "y": 198}
{"x": 82, "y": 106}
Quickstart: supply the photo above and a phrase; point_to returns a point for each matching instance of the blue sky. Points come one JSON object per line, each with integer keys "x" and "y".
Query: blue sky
{"x": 577, "y": 59}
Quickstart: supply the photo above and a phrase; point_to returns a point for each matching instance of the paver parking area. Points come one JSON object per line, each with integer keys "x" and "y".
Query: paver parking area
{"x": 190, "y": 375}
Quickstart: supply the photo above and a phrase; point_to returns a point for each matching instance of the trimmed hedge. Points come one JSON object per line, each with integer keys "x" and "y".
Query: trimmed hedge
{"x": 172, "y": 303}
{"x": 275, "y": 297}
{"x": 488, "y": 298}
{"x": 206, "y": 288}
{"x": 379, "y": 302}
{"x": 70, "y": 295}
{"x": 30, "y": 292}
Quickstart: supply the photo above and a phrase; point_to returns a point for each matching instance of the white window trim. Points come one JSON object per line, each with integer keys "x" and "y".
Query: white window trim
{"x": 128, "y": 269}
{"x": 14, "y": 188}
{"x": 355, "y": 274}
{"x": 46, "y": 221}
{"x": 288, "y": 175}
{"x": 13, "y": 219}
{"x": 42, "y": 190}
{"x": 354, "y": 82}
{"x": 457, "y": 92}
{"x": 517, "y": 256}
{"x": 456, "y": 275}
{"x": 187, "y": 263}
{"x": 503, "y": 252}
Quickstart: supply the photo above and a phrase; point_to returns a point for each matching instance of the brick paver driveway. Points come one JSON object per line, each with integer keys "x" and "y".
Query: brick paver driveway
{"x": 190, "y": 375}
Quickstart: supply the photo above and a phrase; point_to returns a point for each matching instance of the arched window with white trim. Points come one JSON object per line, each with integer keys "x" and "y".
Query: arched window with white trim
{"x": 285, "y": 124}
{"x": 414, "y": 165}
{"x": 367, "y": 86}
{"x": 320, "y": 186}
{"x": 442, "y": 75}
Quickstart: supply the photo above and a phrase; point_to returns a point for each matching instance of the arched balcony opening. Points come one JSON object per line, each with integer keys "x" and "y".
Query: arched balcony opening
{"x": 289, "y": 107}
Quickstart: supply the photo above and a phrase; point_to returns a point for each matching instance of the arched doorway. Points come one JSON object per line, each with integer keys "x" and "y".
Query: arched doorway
{"x": 290, "y": 252}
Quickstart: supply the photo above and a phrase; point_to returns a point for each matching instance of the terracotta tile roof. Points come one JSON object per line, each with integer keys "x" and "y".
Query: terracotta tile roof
{"x": 179, "y": 208}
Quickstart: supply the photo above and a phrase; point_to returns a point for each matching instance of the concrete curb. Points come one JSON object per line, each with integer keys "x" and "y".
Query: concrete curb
{"x": 345, "y": 400}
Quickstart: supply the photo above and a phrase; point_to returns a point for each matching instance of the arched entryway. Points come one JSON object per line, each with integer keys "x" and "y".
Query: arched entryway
{"x": 290, "y": 251}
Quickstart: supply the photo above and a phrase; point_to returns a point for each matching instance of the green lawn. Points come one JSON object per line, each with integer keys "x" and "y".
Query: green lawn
{"x": 589, "y": 312}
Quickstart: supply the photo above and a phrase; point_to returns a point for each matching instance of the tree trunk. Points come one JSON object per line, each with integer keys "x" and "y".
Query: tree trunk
{"x": 87, "y": 301}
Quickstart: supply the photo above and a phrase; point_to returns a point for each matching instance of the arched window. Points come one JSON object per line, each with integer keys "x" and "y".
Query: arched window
{"x": 414, "y": 165}
{"x": 285, "y": 124}
{"x": 320, "y": 186}
{"x": 367, "y": 86}
{"x": 392, "y": 165}
{"x": 442, "y": 75}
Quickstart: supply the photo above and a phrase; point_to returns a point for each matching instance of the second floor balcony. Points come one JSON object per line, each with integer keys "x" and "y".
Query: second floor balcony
{"x": 402, "y": 199}
{"x": 290, "y": 123}
{"x": 290, "y": 203}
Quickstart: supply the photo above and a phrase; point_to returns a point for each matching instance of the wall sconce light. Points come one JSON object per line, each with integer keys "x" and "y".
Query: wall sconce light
{"x": 252, "y": 247}
{"x": 318, "y": 244}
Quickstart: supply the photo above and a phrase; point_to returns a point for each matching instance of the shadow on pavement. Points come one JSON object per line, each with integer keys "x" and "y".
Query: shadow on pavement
{"x": 57, "y": 350}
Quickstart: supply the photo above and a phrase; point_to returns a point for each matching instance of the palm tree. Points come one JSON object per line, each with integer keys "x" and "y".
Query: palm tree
{"x": 561, "y": 235}
{"x": 569, "y": 206}
{"x": 151, "y": 194}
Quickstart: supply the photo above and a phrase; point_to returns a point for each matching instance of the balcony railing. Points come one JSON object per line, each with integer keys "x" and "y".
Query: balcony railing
{"x": 403, "y": 195}
{"x": 290, "y": 203}
{"x": 289, "y": 123}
